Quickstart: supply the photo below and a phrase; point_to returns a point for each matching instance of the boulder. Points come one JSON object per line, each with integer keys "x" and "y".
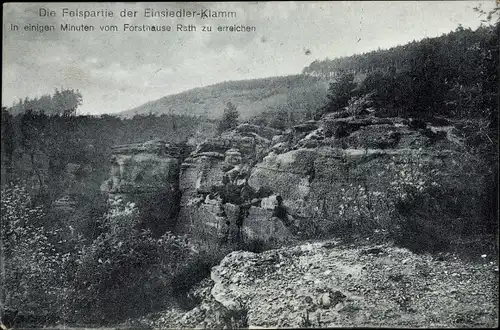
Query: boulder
{"x": 308, "y": 126}
{"x": 265, "y": 132}
{"x": 232, "y": 156}
{"x": 260, "y": 225}
{"x": 269, "y": 203}
{"x": 281, "y": 147}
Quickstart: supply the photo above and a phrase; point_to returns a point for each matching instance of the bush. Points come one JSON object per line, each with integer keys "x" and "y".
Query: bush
{"x": 361, "y": 209}
{"x": 417, "y": 198}
{"x": 358, "y": 104}
{"x": 127, "y": 272}
{"x": 35, "y": 263}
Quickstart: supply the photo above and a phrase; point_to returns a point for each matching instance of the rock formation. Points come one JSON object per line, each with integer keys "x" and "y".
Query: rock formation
{"x": 217, "y": 203}
{"x": 227, "y": 190}
{"x": 148, "y": 175}
{"x": 329, "y": 284}
{"x": 341, "y": 158}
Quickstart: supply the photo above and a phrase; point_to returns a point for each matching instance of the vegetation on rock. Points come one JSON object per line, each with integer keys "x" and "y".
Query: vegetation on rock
{"x": 229, "y": 118}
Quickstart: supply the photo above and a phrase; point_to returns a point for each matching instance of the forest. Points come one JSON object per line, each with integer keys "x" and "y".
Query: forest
{"x": 44, "y": 148}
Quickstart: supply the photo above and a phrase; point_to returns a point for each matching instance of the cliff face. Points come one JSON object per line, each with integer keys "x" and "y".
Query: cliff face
{"x": 259, "y": 184}
{"x": 318, "y": 182}
{"x": 148, "y": 175}
{"x": 328, "y": 175}
{"x": 218, "y": 204}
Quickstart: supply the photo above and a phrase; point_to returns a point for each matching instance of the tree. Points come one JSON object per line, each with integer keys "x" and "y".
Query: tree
{"x": 66, "y": 101}
{"x": 7, "y": 142}
{"x": 340, "y": 92}
{"x": 229, "y": 118}
{"x": 279, "y": 119}
{"x": 63, "y": 102}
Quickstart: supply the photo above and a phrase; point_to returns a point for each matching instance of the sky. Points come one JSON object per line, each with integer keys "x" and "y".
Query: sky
{"x": 117, "y": 71}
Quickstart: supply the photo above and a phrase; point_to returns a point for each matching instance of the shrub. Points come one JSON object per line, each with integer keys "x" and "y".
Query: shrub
{"x": 52, "y": 276}
{"x": 358, "y": 104}
{"x": 361, "y": 209}
{"x": 35, "y": 262}
{"x": 418, "y": 197}
{"x": 126, "y": 271}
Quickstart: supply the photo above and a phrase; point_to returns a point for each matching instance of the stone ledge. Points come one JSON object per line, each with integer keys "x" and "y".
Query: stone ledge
{"x": 154, "y": 146}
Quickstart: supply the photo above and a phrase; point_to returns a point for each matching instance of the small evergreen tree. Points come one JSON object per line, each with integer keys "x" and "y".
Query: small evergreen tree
{"x": 340, "y": 92}
{"x": 229, "y": 118}
{"x": 279, "y": 119}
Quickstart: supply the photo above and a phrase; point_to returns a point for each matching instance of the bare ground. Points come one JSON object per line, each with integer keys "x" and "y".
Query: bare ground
{"x": 327, "y": 284}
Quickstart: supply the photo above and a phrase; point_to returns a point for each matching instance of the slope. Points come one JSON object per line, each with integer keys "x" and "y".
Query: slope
{"x": 297, "y": 93}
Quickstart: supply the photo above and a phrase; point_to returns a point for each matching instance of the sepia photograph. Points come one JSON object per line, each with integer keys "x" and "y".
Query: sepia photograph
{"x": 257, "y": 164}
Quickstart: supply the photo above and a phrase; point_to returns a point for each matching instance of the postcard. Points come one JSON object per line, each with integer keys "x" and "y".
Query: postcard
{"x": 230, "y": 165}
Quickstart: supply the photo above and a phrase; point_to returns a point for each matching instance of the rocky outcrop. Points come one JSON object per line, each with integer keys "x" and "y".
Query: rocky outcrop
{"x": 329, "y": 284}
{"x": 321, "y": 171}
{"x": 265, "y": 132}
{"x": 148, "y": 175}
{"x": 142, "y": 167}
{"x": 218, "y": 206}
{"x": 260, "y": 224}
{"x": 324, "y": 173}
{"x": 357, "y": 165}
